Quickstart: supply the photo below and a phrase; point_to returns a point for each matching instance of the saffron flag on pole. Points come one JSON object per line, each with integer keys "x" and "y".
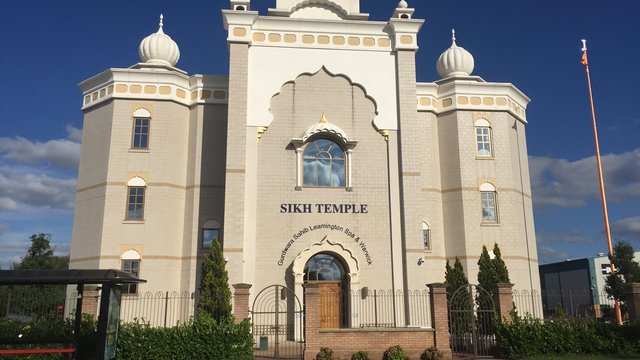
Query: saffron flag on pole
{"x": 585, "y": 61}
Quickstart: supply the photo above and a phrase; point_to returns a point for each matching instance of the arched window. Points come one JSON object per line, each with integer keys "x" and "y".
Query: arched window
{"x": 426, "y": 236}
{"x": 323, "y": 267}
{"x": 131, "y": 263}
{"x": 140, "y": 133}
{"x": 324, "y": 164}
{"x": 136, "y": 188}
{"x": 489, "y": 203}
{"x": 483, "y": 138}
{"x": 324, "y": 154}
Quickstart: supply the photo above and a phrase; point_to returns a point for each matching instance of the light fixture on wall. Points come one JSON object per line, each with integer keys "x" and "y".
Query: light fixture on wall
{"x": 421, "y": 261}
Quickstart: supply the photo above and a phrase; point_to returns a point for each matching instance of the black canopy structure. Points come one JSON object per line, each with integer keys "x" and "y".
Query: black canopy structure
{"x": 111, "y": 281}
{"x": 67, "y": 277}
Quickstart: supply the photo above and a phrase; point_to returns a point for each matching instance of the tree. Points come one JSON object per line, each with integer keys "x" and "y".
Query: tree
{"x": 215, "y": 295}
{"x": 492, "y": 271}
{"x": 455, "y": 278}
{"x": 36, "y": 300}
{"x": 627, "y": 271}
{"x": 457, "y": 283}
{"x": 501, "y": 271}
{"x": 40, "y": 255}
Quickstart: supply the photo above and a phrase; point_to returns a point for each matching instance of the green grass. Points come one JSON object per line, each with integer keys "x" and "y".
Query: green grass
{"x": 586, "y": 357}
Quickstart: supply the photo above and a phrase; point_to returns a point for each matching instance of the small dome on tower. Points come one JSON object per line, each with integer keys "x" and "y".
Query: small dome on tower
{"x": 455, "y": 61}
{"x": 159, "y": 48}
{"x": 402, "y": 4}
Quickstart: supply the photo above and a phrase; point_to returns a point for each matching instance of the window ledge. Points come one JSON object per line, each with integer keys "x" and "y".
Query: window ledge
{"x": 132, "y": 221}
{"x": 485, "y": 157}
{"x": 142, "y": 151}
{"x": 490, "y": 224}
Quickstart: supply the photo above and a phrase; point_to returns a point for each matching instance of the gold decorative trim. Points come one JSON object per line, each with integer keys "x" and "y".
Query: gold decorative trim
{"x": 261, "y": 131}
{"x": 385, "y": 134}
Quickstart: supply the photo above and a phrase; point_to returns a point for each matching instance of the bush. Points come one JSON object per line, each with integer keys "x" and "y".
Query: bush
{"x": 360, "y": 355}
{"x": 432, "y": 353}
{"x": 325, "y": 353}
{"x": 30, "y": 335}
{"x": 395, "y": 353}
{"x": 528, "y": 337}
{"x": 202, "y": 338}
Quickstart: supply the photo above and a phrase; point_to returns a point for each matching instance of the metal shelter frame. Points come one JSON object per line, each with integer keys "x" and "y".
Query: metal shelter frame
{"x": 109, "y": 279}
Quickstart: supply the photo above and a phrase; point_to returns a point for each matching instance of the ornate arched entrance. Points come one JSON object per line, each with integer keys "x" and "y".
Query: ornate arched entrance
{"x": 328, "y": 272}
{"x": 336, "y": 270}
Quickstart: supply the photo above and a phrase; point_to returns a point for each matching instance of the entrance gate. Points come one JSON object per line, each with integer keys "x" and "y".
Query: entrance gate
{"x": 471, "y": 316}
{"x": 277, "y": 324}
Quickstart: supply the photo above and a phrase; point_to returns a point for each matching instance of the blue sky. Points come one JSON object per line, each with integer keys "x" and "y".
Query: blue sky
{"x": 50, "y": 46}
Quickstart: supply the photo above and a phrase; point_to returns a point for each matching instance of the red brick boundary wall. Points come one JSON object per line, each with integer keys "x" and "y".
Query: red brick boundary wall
{"x": 241, "y": 302}
{"x": 344, "y": 342}
{"x": 90, "y": 300}
{"x": 633, "y": 302}
{"x": 503, "y": 300}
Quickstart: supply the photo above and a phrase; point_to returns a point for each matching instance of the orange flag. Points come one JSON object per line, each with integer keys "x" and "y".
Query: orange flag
{"x": 585, "y": 61}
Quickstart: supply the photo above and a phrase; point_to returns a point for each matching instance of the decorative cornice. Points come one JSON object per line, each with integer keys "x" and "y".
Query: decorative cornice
{"x": 147, "y": 84}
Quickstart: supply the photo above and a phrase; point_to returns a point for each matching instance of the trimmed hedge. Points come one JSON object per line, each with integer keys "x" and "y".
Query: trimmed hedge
{"x": 527, "y": 337}
{"x": 16, "y": 335}
{"x": 203, "y": 338}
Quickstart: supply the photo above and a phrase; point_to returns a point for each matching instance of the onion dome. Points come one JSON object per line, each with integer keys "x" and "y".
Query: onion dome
{"x": 159, "y": 48}
{"x": 455, "y": 61}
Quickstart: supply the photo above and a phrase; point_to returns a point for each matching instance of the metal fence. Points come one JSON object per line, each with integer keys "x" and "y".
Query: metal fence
{"x": 571, "y": 304}
{"x": 158, "y": 309}
{"x": 25, "y": 302}
{"x": 366, "y": 308}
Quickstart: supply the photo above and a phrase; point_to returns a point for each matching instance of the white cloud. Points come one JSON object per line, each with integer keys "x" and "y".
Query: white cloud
{"x": 17, "y": 190}
{"x": 626, "y": 229}
{"x": 74, "y": 133}
{"x": 548, "y": 255}
{"x": 563, "y": 183}
{"x": 61, "y": 153}
{"x": 7, "y": 204}
{"x": 3, "y": 228}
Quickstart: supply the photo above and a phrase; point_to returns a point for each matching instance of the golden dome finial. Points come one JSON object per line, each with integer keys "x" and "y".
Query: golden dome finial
{"x": 324, "y": 120}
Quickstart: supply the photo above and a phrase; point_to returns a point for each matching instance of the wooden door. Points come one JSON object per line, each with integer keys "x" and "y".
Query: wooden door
{"x": 330, "y": 305}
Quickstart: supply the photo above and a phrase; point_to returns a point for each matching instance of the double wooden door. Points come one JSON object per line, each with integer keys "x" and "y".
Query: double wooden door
{"x": 330, "y": 305}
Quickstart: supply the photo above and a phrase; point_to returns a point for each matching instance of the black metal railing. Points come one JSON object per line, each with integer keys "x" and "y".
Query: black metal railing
{"x": 366, "y": 308}
{"x": 568, "y": 304}
{"x": 158, "y": 309}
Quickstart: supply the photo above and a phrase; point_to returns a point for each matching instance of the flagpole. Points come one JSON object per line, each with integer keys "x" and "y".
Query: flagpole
{"x": 603, "y": 195}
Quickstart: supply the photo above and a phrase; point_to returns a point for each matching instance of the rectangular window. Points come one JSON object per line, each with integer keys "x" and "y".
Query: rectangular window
{"x": 140, "y": 133}
{"x": 209, "y": 236}
{"x": 133, "y": 268}
{"x": 489, "y": 213}
{"x": 135, "y": 203}
{"x": 483, "y": 138}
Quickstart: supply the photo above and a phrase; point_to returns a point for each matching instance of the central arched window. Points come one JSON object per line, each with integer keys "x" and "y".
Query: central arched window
{"x": 324, "y": 164}
{"x": 323, "y": 267}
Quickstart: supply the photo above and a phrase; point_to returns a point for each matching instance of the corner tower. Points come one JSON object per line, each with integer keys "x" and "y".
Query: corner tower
{"x": 145, "y": 172}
